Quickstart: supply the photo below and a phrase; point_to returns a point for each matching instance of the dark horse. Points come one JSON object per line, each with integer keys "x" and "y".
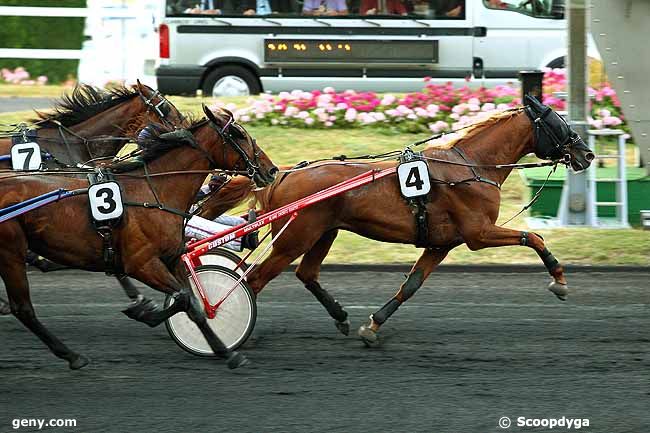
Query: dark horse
{"x": 462, "y": 212}
{"x": 147, "y": 242}
{"x": 92, "y": 123}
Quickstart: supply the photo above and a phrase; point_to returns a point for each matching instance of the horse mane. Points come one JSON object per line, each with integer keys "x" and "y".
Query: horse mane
{"x": 475, "y": 129}
{"x": 155, "y": 146}
{"x": 84, "y": 102}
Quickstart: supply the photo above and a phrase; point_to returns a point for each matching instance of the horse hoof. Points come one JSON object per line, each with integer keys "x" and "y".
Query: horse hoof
{"x": 4, "y": 309}
{"x": 344, "y": 327}
{"x": 79, "y": 362}
{"x": 560, "y": 290}
{"x": 141, "y": 310}
{"x": 368, "y": 336}
{"x": 236, "y": 360}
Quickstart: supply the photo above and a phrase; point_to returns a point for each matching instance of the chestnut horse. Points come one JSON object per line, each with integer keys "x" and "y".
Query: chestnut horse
{"x": 462, "y": 212}
{"x": 72, "y": 133}
{"x": 147, "y": 242}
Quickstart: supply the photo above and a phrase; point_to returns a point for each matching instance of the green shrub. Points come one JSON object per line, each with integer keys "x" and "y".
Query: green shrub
{"x": 42, "y": 32}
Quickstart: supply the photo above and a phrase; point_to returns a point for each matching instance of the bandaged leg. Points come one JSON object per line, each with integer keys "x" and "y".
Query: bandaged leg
{"x": 201, "y": 228}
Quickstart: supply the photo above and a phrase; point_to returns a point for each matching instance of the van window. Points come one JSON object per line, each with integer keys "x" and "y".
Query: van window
{"x": 536, "y": 8}
{"x": 432, "y": 9}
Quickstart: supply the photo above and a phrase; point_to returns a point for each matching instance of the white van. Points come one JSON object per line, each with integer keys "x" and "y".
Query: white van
{"x": 227, "y": 47}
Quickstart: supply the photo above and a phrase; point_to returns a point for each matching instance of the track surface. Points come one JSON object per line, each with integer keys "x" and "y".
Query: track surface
{"x": 23, "y": 104}
{"x": 468, "y": 349}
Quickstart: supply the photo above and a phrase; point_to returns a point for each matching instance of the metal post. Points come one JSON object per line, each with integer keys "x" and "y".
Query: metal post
{"x": 531, "y": 84}
{"x": 621, "y": 186}
{"x": 576, "y": 183}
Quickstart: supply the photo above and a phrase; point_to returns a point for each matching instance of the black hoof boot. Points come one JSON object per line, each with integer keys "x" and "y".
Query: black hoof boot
{"x": 236, "y": 360}
{"x": 343, "y": 327}
{"x": 144, "y": 310}
{"x": 79, "y": 362}
{"x": 250, "y": 241}
{"x": 4, "y": 308}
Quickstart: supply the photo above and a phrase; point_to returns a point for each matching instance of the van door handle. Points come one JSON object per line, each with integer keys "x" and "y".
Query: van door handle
{"x": 480, "y": 32}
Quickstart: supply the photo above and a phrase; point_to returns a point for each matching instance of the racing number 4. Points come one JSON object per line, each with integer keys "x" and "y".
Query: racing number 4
{"x": 413, "y": 177}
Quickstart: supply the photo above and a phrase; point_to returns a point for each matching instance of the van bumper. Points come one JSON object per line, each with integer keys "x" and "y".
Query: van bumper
{"x": 179, "y": 80}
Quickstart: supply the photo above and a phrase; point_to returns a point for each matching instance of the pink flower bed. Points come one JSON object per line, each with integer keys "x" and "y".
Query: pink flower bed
{"x": 21, "y": 76}
{"x": 436, "y": 108}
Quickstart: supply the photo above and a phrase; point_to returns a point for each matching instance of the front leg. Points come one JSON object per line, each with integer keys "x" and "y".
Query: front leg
{"x": 495, "y": 236}
{"x": 157, "y": 276}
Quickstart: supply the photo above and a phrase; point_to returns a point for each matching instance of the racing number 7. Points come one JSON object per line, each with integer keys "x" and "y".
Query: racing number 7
{"x": 30, "y": 152}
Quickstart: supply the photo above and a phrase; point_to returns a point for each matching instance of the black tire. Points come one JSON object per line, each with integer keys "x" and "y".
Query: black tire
{"x": 250, "y": 297}
{"x": 557, "y": 63}
{"x": 242, "y": 73}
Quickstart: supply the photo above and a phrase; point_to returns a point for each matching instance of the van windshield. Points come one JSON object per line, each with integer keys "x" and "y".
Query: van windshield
{"x": 428, "y": 9}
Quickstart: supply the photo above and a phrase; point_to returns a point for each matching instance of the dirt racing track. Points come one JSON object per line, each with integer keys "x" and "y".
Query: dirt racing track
{"x": 468, "y": 349}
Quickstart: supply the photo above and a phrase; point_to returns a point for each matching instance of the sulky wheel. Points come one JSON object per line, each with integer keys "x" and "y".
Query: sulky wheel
{"x": 234, "y": 320}
{"x": 223, "y": 257}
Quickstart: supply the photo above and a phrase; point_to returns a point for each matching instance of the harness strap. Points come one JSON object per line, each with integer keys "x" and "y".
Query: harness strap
{"x": 159, "y": 206}
{"x": 109, "y": 255}
{"x": 477, "y": 177}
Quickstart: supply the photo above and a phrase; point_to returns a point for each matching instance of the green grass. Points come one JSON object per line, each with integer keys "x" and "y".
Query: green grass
{"x": 574, "y": 246}
{"x": 17, "y": 90}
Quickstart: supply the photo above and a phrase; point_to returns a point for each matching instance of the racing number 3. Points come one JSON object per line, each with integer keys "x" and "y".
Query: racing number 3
{"x": 105, "y": 201}
{"x": 109, "y": 205}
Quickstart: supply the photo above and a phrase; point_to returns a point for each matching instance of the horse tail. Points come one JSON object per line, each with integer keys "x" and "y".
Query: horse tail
{"x": 229, "y": 196}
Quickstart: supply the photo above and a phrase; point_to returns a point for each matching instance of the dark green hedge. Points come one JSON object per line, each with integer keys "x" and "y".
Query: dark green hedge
{"x": 42, "y": 32}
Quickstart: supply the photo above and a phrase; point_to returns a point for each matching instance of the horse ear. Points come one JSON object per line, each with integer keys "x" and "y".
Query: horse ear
{"x": 210, "y": 115}
{"x": 530, "y": 100}
{"x": 144, "y": 90}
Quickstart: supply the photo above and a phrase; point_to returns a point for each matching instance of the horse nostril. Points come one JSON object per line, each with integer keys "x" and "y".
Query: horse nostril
{"x": 274, "y": 171}
{"x": 589, "y": 156}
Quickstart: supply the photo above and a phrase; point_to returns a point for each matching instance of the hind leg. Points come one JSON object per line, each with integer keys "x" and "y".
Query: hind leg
{"x": 427, "y": 262}
{"x": 14, "y": 274}
{"x": 308, "y": 272}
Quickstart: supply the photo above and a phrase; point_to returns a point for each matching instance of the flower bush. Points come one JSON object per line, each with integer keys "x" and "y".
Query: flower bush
{"x": 21, "y": 76}
{"x": 436, "y": 108}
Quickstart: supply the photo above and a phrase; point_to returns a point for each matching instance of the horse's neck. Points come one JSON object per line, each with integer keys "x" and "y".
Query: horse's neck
{"x": 179, "y": 191}
{"x": 111, "y": 122}
{"x": 504, "y": 142}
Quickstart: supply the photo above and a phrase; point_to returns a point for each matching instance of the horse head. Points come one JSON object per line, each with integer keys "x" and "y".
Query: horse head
{"x": 554, "y": 139}
{"x": 245, "y": 154}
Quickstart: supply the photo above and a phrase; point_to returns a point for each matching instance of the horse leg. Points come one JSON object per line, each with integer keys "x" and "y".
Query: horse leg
{"x": 308, "y": 272}
{"x": 157, "y": 276}
{"x": 495, "y": 236}
{"x": 427, "y": 262}
{"x": 129, "y": 288}
{"x": 14, "y": 274}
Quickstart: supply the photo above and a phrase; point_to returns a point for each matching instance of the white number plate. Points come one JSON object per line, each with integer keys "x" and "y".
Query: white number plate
{"x": 105, "y": 201}
{"x": 26, "y": 156}
{"x": 413, "y": 178}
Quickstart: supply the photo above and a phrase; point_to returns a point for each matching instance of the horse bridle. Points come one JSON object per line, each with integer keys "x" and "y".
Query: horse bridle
{"x": 252, "y": 166}
{"x": 562, "y": 145}
{"x": 162, "y": 108}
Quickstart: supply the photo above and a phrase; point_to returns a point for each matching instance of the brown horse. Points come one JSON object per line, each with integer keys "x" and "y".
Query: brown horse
{"x": 74, "y": 132}
{"x": 147, "y": 242}
{"x": 462, "y": 206}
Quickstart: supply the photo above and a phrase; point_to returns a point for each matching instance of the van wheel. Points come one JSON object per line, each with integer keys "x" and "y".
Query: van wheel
{"x": 230, "y": 81}
{"x": 557, "y": 63}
